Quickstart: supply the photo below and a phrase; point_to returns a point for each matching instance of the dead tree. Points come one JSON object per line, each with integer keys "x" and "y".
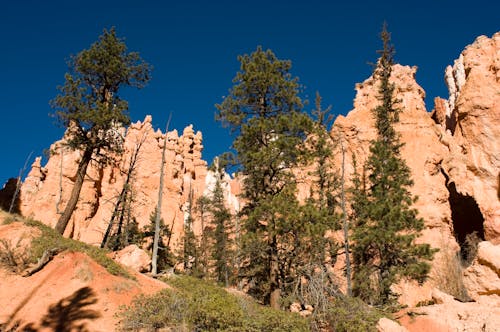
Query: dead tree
{"x": 345, "y": 224}
{"x": 122, "y": 209}
{"x": 154, "y": 263}
{"x": 18, "y": 183}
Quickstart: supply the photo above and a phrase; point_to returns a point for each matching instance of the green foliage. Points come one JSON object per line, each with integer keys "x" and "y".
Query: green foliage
{"x": 90, "y": 107}
{"x": 265, "y": 112}
{"x": 89, "y": 104}
{"x": 129, "y": 234}
{"x": 386, "y": 226}
{"x": 152, "y": 312}
{"x": 346, "y": 314}
{"x": 216, "y": 220}
{"x": 50, "y": 239}
{"x": 191, "y": 254}
{"x": 195, "y": 305}
{"x": 318, "y": 213}
{"x": 166, "y": 258}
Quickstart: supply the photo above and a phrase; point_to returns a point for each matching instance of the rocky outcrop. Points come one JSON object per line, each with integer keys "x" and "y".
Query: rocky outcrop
{"x": 133, "y": 257}
{"x": 482, "y": 277}
{"x": 451, "y": 315}
{"x": 473, "y": 120}
{"x": 46, "y": 189}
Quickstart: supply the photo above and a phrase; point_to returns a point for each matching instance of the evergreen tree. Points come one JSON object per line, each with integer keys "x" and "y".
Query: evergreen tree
{"x": 318, "y": 212}
{"x": 222, "y": 252}
{"x": 384, "y": 249}
{"x": 90, "y": 107}
{"x": 190, "y": 255}
{"x": 166, "y": 258}
{"x": 265, "y": 112}
{"x": 316, "y": 251}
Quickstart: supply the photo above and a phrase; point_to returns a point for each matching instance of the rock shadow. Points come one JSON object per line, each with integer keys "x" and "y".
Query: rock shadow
{"x": 7, "y": 193}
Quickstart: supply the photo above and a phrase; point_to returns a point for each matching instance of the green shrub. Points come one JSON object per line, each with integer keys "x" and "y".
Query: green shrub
{"x": 267, "y": 319}
{"x": 163, "y": 309}
{"x": 350, "y": 315}
{"x": 197, "y": 305}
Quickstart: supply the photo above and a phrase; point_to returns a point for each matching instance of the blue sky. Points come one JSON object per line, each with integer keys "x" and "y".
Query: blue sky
{"x": 193, "y": 47}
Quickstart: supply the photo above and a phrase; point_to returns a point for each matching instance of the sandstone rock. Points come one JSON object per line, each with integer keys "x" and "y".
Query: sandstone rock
{"x": 489, "y": 254}
{"x": 453, "y": 316}
{"x": 483, "y": 276}
{"x": 304, "y": 311}
{"x": 387, "y": 325}
{"x": 134, "y": 257}
{"x": 73, "y": 282}
{"x": 453, "y": 154}
{"x": 474, "y": 121}
{"x": 440, "y": 297}
{"x": 46, "y": 190}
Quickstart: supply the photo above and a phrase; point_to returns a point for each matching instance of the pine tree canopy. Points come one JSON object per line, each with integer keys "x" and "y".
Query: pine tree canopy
{"x": 89, "y": 103}
{"x": 264, "y": 110}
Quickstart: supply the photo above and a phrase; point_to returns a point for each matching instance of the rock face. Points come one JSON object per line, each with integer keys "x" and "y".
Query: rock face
{"x": 46, "y": 189}
{"x": 473, "y": 120}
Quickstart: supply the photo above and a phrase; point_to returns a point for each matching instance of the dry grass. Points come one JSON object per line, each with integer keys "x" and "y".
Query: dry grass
{"x": 449, "y": 276}
{"x": 13, "y": 256}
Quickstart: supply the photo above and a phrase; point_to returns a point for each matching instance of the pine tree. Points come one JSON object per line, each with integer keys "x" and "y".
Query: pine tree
{"x": 264, "y": 110}
{"x": 386, "y": 225}
{"x": 165, "y": 257}
{"x": 316, "y": 251}
{"x": 190, "y": 255}
{"x": 90, "y": 107}
{"x": 319, "y": 209}
{"x": 222, "y": 252}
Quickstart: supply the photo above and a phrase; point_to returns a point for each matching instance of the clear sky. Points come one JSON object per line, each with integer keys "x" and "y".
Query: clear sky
{"x": 193, "y": 47}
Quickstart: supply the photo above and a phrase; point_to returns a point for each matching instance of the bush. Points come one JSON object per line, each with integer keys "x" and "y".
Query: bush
{"x": 13, "y": 256}
{"x": 163, "y": 309}
{"x": 197, "y": 305}
{"x": 350, "y": 315}
{"x": 448, "y": 277}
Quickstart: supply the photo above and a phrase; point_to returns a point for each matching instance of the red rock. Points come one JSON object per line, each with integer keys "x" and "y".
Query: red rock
{"x": 133, "y": 257}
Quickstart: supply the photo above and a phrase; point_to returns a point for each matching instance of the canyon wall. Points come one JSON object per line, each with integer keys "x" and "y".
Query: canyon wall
{"x": 46, "y": 189}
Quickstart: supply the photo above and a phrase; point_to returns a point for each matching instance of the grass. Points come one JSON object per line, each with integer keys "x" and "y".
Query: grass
{"x": 50, "y": 239}
{"x": 448, "y": 277}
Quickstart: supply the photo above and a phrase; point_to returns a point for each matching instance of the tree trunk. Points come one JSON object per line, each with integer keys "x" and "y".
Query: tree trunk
{"x": 275, "y": 291}
{"x": 75, "y": 193}
{"x": 346, "y": 225}
{"x": 156, "y": 239}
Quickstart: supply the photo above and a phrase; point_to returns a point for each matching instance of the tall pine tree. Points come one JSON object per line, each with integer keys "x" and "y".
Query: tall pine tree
{"x": 90, "y": 107}
{"x": 386, "y": 225}
{"x": 264, "y": 110}
{"x": 222, "y": 252}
